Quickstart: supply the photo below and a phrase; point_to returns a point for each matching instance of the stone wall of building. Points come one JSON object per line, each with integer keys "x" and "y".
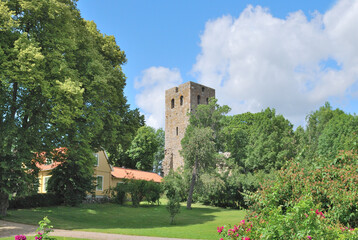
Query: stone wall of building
{"x": 178, "y": 102}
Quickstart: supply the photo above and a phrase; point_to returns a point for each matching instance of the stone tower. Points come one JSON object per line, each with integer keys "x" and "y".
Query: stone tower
{"x": 178, "y": 101}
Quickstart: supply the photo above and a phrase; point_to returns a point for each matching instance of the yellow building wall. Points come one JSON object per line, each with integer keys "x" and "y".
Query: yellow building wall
{"x": 101, "y": 169}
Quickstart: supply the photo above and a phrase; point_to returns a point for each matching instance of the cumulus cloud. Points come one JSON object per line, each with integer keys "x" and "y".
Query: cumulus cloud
{"x": 294, "y": 64}
{"x": 151, "y": 86}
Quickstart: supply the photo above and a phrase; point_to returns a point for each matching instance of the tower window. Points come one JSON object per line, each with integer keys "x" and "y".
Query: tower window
{"x": 176, "y": 89}
{"x": 202, "y": 89}
{"x": 177, "y": 131}
{"x": 173, "y": 103}
{"x": 198, "y": 99}
{"x": 181, "y": 100}
{"x": 207, "y": 100}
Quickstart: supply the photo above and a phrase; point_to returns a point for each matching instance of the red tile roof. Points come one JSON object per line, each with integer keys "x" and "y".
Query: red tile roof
{"x": 125, "y": 173}
{"x": 44, "y": 167}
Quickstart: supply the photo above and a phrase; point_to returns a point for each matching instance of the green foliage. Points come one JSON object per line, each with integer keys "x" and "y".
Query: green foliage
{"x": 138, "y": 190}
{"x": 33, "y": 201}
{"x": 44, "y": 229}
{"x": 73, "y": 179}
{"x": 333, "y": 186}
{"x": 303, "y": 220}
{"x": 118, "y": 194}
{"x": 210, "y": 115}
{"x": 260, "y": 141}
{"x": 316, "y": 123}
{"x": 198, "y": 147}
{"x": 143, "y": 148}
{"x": 176, "y": 182}
{"x": 159, "y": 155}
{"x": 173, "y": 206}
{"x": 338, "y": 134}
{"x": 61, "y": 85}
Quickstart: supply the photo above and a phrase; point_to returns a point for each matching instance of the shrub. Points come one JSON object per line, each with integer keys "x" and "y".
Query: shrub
{"x": 36, "y": 200}
{"x": 334, "y": 187}
{"x": 173, "y": 206}
{"x": 152, "y": 192}
{"x": 301, "y": 221}
{"x": 178, "y": 182}
{"x": 138, "y": 191}
{"x": 118, "y": 194}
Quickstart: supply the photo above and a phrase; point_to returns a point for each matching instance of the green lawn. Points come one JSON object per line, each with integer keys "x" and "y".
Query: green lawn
{"x": 147, "y": 220}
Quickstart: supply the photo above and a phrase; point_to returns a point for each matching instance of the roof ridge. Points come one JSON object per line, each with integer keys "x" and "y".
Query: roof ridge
{"x": 136, "y": 170}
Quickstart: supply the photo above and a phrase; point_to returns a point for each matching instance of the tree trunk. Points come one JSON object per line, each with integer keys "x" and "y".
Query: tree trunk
{"x": 193, "y": 180}
{"x": 4, "y": 203}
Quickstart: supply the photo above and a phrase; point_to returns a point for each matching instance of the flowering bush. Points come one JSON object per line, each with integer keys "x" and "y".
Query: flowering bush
{"x": 334, "y": 186}
{"x": 299, "y": 222}
{"x": 42, "y": 231}
{"x": 20, "y": 237}
{"x": 317, "y": 203}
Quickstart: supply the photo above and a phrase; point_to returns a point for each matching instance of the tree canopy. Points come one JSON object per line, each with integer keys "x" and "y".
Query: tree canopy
{"x": 61, "y": 85}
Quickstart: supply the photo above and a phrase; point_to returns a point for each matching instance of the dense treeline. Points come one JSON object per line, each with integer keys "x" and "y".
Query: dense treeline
{"x": 260, "y": 144}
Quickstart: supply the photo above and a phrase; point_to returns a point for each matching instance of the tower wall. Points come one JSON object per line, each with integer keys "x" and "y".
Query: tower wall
{"x": 178, "y": 102}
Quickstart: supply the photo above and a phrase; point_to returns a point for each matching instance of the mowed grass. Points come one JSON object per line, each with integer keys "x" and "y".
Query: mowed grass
{"x": 147, "y": 220}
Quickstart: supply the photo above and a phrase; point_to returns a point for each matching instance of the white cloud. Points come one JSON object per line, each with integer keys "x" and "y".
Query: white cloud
{"x": 151, "y": 86}
{"x": 256, "y": 61}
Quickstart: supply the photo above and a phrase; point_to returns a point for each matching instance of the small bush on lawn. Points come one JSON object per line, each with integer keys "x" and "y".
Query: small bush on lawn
{"x": 43, "y": 231}
{"x": 36, "y": 200}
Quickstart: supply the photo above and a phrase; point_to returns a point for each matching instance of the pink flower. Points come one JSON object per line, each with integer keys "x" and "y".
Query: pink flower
{"x": 309, "y": 237}
{"x": 248, "y": 230}
{"x": 242, "y": 221}
{"x": 220, "y": 229}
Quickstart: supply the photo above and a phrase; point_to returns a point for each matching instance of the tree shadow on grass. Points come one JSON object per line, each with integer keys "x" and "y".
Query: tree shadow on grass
{"x": 113, "y": 216}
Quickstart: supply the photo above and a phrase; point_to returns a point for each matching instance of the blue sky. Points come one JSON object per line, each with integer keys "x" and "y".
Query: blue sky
{"x": 256, "y": 54}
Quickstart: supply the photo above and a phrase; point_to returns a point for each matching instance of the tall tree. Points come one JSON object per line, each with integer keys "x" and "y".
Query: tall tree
{"x": 271, "y": 142}
{"x": 199, "y": 153}
{"x": 316, "y": 123}
{"x": 201, "y": 140}
{"x": 259, "y": 141}
{"x": 143, "y": 148}
{"x": 61, "y": 85}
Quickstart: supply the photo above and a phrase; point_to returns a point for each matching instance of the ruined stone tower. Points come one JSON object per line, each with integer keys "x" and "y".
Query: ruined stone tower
{"x": 178, "y": 101}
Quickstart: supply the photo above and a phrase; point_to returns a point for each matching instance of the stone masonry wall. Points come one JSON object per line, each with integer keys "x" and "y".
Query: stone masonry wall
{"x": 178, "y": 102}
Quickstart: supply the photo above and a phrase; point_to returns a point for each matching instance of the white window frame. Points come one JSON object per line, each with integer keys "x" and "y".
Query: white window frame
{"x": 44, "y": 190}
{"x": 97, "y": 182}
{"x": 96, "y": 155}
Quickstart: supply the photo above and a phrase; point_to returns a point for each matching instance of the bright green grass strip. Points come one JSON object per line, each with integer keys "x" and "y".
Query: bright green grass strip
{"x": 57, "y": 238}
{"x": 147, "y": 220}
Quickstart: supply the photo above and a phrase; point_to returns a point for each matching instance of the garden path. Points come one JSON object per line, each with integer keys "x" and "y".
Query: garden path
{"x": 9, "y": 229}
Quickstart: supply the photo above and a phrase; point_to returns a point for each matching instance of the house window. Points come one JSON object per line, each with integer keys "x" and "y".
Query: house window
{"x": 181, "y": 100}
{"x": 198, "y": 99}
{"x": 46, "y": 178}
{"x": 99, "y": 186}
{"x": 97, "y": 159}
{"x": 173, "y": 103}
